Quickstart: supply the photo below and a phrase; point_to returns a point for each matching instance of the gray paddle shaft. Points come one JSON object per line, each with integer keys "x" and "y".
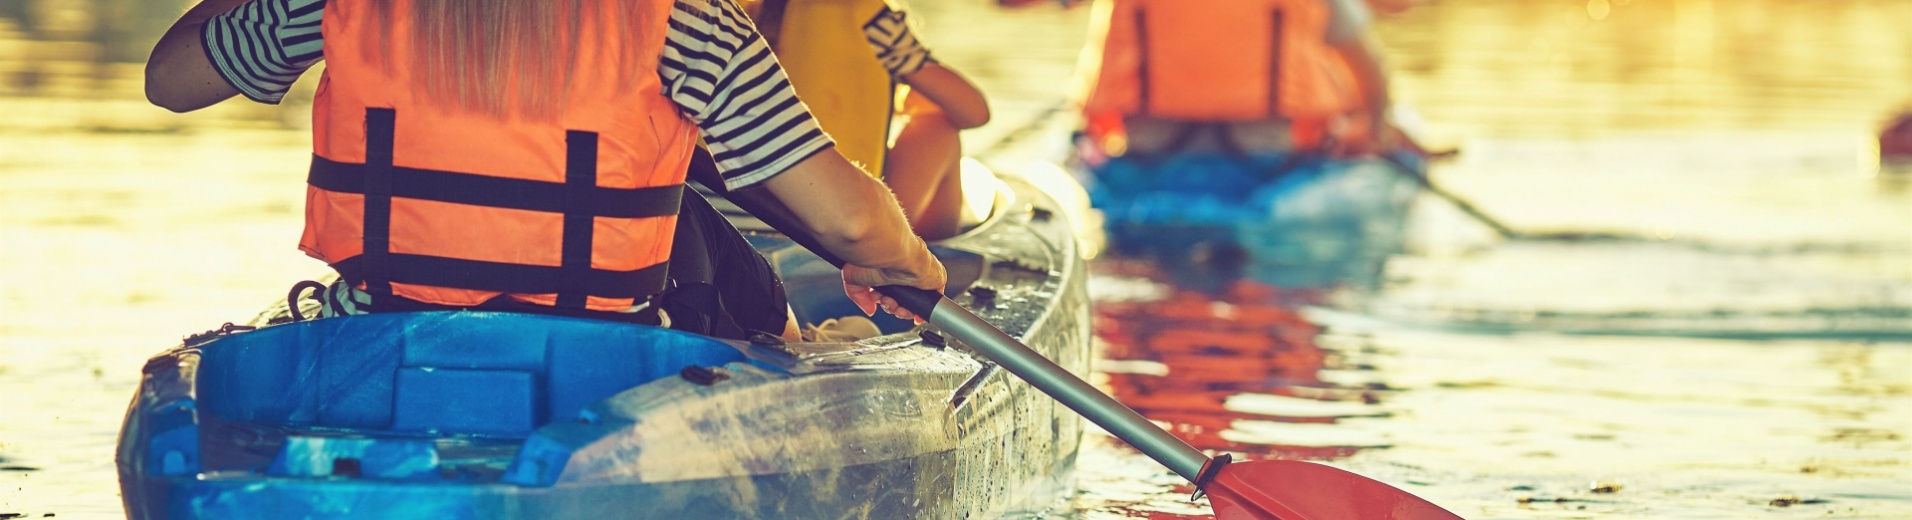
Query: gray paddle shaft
{"x": 1101, "y": 409}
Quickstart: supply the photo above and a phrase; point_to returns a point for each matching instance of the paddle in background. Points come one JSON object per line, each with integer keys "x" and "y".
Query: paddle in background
{"x": 1283, "y": 489}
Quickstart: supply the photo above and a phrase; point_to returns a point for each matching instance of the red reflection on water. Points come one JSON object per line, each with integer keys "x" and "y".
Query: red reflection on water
{"x": 1246, "y": 338}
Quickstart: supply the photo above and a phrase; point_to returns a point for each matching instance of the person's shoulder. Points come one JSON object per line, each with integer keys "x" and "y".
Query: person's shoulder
{"x": 1347, "y": 19}
{"x": 1349, "y": 11}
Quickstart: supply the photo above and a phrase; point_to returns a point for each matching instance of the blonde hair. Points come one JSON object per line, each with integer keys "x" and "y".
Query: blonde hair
{"x": 514, "y": 57}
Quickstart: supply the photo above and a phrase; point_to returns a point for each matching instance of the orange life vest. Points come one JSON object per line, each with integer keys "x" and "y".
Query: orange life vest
{"x": 1216, "y": 60}
{"x": 410, "y": 197}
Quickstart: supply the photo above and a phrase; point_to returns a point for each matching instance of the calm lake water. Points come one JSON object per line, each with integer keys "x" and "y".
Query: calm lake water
{"x": 1747, "y": 354}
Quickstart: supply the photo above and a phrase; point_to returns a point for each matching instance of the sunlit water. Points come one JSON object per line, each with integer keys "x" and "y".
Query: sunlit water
{"x": 1743, "y": 353}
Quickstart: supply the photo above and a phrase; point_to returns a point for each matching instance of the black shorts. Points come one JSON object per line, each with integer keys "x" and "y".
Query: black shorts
{"x": 708, "y": 253}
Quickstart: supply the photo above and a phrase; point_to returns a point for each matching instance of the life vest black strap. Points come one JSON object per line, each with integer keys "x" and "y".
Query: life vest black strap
{"x": 499, "y": 192}
{"x": 1274, "y": 64}
{"x": 478, "y": 275}
{"x": 376, "y": 184}
{"x": 1143, "y": 78}
{"x": 580, "y": 178}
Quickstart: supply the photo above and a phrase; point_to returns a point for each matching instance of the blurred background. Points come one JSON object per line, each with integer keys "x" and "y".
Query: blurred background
{"x": 1726, "y": 332}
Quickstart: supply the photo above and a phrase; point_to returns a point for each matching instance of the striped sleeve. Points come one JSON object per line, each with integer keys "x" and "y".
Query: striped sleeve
{"x": 262, "y": 46}
{"x": 718, "y": 69}
{"x": 895, "y": 45}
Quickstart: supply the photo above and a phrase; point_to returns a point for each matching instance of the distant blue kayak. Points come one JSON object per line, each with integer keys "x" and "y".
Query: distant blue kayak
{"x": 1301, "y": 221}
{"x": 481, "y": 415}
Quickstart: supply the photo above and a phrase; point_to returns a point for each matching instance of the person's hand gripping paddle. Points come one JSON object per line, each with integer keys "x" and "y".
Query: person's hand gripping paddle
{"x": 1285, "y": 489}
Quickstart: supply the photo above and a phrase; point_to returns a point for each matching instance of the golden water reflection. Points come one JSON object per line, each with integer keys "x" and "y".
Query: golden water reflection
{"x": 1524, "y": 68}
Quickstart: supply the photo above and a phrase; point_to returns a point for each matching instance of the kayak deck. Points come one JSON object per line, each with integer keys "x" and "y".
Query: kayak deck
{"x": 493, "y": 415}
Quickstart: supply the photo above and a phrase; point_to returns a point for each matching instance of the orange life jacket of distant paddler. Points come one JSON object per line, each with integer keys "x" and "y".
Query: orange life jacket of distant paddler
{"x": 411, "y": 197}
{"x": 1216, "y": 61}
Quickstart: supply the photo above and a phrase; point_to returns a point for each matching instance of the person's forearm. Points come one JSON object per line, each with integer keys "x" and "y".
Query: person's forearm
{"x": 178, "y": 75}
{"x": 852, "y": 214}
{"x": 960, "y": 100}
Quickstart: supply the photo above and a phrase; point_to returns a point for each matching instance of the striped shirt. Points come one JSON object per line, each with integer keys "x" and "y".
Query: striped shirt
{"x": 715, "y": 67}
{"x": 896, "y": 46}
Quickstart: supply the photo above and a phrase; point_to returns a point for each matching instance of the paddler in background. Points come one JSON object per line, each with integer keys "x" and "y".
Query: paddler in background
{"x": 877, "y": 90}
{"x": 518, "y": 156}
{"x": 1218, "y": 98}
{"x": 1251, "y": 77}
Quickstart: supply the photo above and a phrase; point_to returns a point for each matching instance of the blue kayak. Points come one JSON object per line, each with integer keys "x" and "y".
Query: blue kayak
{"x": 1300, "y": 220}
{"x": 469, "y": 415}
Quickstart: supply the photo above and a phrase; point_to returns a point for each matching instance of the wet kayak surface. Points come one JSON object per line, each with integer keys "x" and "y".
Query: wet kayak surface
{"x": 1741, "y": 346}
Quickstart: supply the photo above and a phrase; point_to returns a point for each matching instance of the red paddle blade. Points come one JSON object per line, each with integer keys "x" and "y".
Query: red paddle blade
{"x": 1298, "y": 490}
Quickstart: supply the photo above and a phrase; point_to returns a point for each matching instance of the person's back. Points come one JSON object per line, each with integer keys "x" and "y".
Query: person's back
{"x": 1201, "y": 116}
{"x": 1258, "y": 76}
{"x": 530, "y": 156}
{"x": 426, "y": 187}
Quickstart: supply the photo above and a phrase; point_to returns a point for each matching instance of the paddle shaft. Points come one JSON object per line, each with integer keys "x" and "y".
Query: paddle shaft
{"x": 1420, "y": 176}
{"x": 992, "y": 343}
{"x": 1052, "y": 379}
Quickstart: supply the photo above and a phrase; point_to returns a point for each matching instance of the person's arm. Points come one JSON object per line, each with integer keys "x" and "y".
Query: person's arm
{"x": 1352, "y": 39}
{"x": 960, "y": 100}
{"x": 1364, "y": 60}
{"x": 907, "y": 60}
{"x": 721, "y": 73}
{"x": 221, "y": 48}
{"x": 857, "y": 218}
{"x": 178, "y": 75}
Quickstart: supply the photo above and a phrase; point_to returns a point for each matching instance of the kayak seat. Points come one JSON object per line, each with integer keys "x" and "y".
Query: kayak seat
{"x": 478, "y": 373}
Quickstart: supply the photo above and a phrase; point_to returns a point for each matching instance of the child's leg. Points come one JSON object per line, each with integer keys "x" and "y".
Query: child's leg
{"x": 943, "y": 216}
{"x": 922, "y": 169}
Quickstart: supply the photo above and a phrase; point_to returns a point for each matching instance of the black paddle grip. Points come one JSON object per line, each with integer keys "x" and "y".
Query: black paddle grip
{"x": 918, "y": 301}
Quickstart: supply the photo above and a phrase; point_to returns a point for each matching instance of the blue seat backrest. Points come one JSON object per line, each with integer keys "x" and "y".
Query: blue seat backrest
{"x": 449, "y": 372}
